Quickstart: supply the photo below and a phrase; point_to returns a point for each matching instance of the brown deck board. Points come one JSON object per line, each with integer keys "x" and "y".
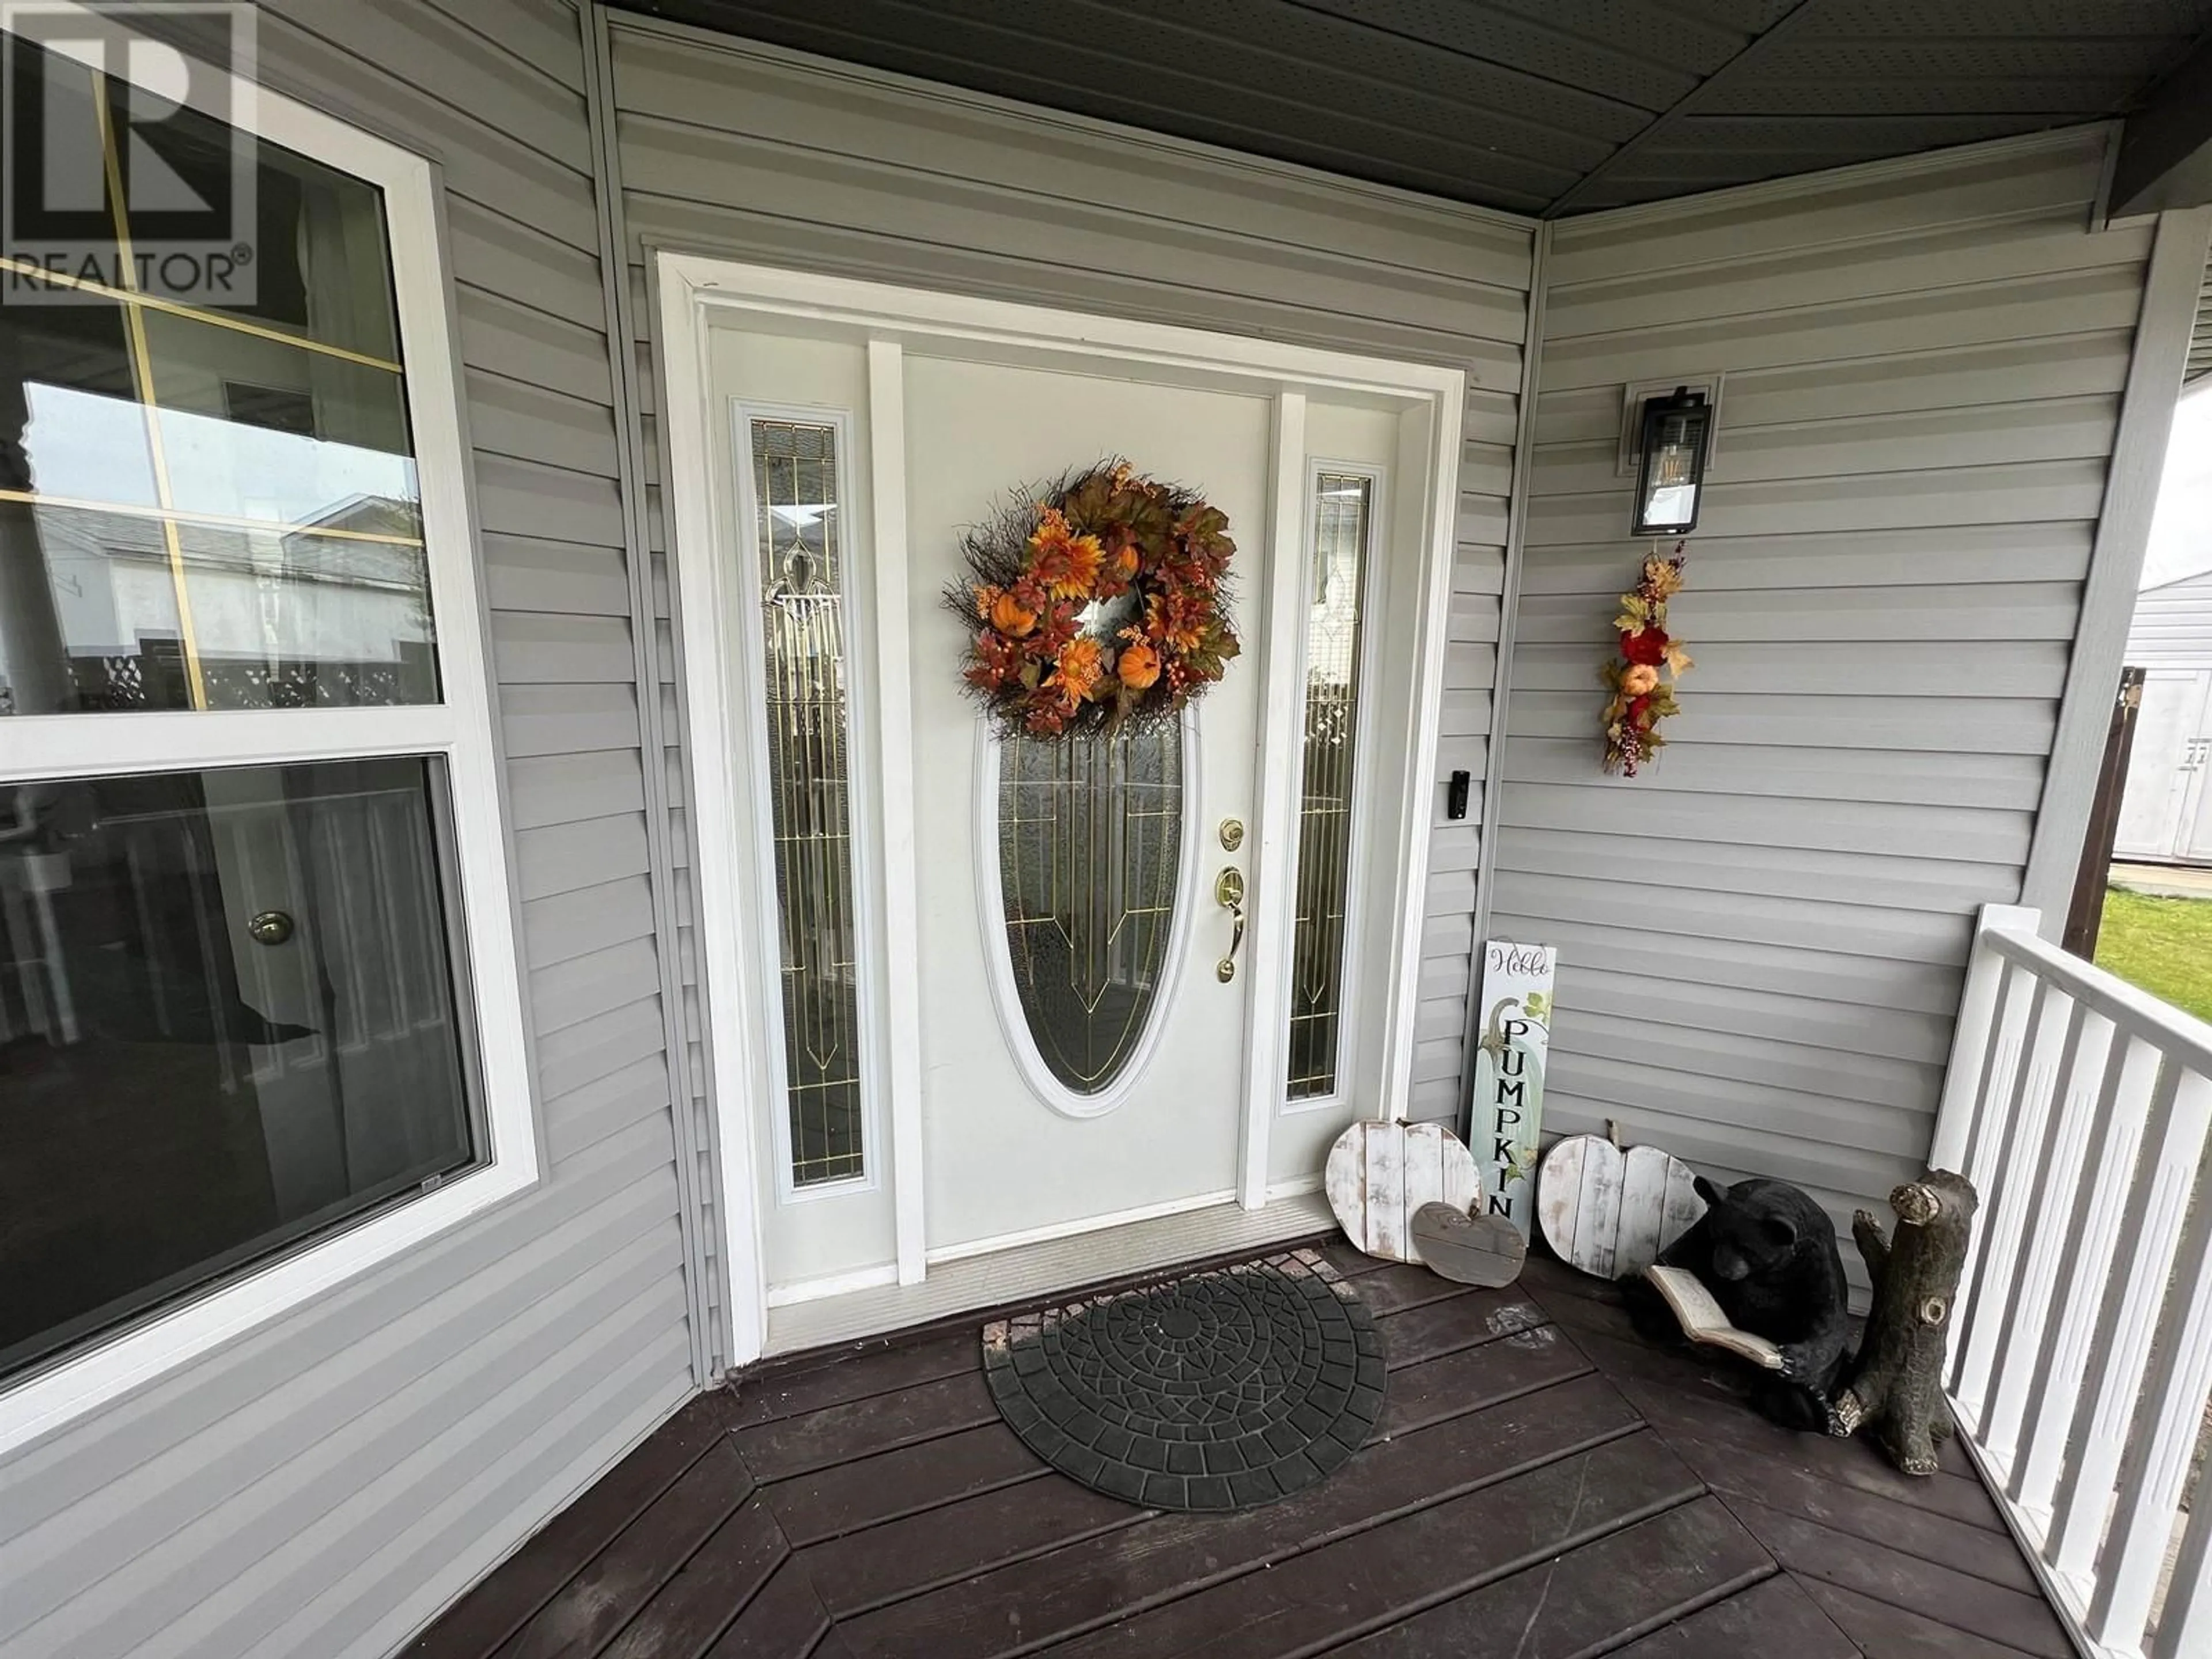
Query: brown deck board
{"x": 1894, "y": 1634}
{"x": 1663, "y": 1387}
{"x": 1395, "y": 1287}
{"x": 1456, "y": 1322}
{"x": 1542, "y": 1483}
{"x": 1592, "y": 1306}
{"x": 1895, "y": 1522}
{"x": 492, "y": 1612}
{"x": 869, "y": 1491}
{"x": 973, "y": 1535}
{"x": 1361, "y": 1583}
{"x": 1073, "y": 1588}
{"x": 1776, "y": 1619}
{"x": 1927, "y": 1588}
{"x": 708, "y": 1591}
{"x": 788, "y": 1394}
{"x": 834, "y": 1434}
{"x": 785, "y": 1620}
{"x": 1468, "y": 1379}
{"x": 614, "y": 1586}
{"x": 1611, "y": 1589}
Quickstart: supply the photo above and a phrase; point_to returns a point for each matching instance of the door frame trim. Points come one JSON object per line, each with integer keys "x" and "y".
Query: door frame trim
{"x": 692, "y": 290}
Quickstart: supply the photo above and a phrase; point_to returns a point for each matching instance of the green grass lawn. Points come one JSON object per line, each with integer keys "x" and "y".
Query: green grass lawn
{"x": 2162, "y": 944}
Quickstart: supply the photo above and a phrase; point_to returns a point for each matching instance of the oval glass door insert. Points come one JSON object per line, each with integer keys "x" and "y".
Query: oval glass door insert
{"x": 1090, "y": 853}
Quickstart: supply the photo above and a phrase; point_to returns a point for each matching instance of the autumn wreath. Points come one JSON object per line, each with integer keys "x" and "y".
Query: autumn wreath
{"x": 1640, "y": 698}
{"x": 1095, "y": 601}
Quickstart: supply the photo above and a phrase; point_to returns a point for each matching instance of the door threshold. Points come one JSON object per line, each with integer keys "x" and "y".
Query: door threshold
{"x": 975, "y": 1283}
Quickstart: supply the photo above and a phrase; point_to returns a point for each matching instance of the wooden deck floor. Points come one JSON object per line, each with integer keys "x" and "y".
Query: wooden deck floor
{"x": 1542, "y": 1485}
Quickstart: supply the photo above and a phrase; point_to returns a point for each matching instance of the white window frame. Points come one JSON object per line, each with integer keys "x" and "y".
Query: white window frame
{"x": 458, "y": 731}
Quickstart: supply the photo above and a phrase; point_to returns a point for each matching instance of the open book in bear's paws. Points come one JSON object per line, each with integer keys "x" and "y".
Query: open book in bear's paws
{"x": 1703, "y": 1320}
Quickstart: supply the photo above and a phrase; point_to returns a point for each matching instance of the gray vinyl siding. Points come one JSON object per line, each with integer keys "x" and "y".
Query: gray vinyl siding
{"x": 2172, "y": 625}
{"x": 760, "y": 155}
{"x": 1762, "y": 938}
{"x": 323, "y": 1485}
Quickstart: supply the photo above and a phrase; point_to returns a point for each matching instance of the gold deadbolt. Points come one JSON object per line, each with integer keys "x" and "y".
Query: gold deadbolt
{"x": 1233, "y": 834}
{"x": 270, "y": 927}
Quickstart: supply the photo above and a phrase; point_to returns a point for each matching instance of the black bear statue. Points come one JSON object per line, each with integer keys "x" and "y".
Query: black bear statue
{"x": 1767, "y": 1253}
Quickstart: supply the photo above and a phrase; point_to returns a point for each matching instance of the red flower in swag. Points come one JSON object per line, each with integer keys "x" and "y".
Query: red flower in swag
{"x": 1642, "y": 679}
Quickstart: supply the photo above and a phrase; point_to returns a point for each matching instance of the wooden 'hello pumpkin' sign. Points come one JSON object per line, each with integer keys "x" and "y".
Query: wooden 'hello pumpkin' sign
{"x": 1507, "y": 1108}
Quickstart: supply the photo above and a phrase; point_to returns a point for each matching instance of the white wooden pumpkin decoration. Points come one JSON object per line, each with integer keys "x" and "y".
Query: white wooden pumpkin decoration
{"x": 1475, "y": 1250}
{"x": 1609, "y": 1212}
{"x": 1378, "y": 1174}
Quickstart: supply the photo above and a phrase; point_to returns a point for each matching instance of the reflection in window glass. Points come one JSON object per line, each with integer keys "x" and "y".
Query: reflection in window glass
{"x": 801, "y": 546}
{"x": 1343, "y": 505}
{"x": 69, "y": 399}
{"x": 228, "y": 1022}
{"x": 321, "y": 267}
{"x": 176, "y": 477}
{"x": 290, "y": 620}
{"x": 341, "y": 457}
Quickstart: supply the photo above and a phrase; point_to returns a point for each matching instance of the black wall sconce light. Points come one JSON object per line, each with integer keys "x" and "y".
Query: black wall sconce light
{"x": 1676, "y": 434}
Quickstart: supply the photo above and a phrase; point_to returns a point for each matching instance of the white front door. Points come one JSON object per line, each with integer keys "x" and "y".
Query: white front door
{"x": 1081, "y": 1058}
{"x": 966, "y": 994}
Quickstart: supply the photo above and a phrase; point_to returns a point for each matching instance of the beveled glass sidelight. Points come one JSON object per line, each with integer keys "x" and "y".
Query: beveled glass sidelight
{"x": 1343, "y": 509}
{"x": 1090, "y": 858}
{"x": 801, "y": 548}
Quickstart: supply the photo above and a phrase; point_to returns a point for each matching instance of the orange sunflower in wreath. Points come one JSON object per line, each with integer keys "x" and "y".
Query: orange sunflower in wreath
{"x": 1095, "y": 601}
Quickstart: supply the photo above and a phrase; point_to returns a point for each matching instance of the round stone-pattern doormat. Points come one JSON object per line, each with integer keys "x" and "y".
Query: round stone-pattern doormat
{"x": 1221, "y": 1390}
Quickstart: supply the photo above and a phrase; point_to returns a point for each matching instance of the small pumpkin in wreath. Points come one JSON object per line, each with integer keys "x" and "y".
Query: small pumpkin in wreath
{"x": 1095, "y": 601}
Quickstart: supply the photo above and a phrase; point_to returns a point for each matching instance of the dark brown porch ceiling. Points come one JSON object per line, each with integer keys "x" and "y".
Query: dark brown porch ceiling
{"x": 1547, "y": 107}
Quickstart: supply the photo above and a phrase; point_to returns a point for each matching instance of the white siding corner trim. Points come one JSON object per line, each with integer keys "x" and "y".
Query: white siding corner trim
{"x": 2155, "y": 369}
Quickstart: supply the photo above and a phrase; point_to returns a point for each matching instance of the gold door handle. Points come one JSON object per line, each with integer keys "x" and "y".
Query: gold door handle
{"x": 1229, "y": 894}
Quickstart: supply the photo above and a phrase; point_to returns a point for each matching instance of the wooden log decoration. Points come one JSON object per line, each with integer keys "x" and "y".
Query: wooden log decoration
{"x": 1897, "y": 1382}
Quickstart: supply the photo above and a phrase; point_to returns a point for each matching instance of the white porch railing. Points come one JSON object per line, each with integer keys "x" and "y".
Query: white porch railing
{"x": 2080, "y": 1108}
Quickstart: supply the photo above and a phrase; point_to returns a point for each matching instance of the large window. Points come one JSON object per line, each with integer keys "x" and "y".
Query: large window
{"x": 260, "y": 1022}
